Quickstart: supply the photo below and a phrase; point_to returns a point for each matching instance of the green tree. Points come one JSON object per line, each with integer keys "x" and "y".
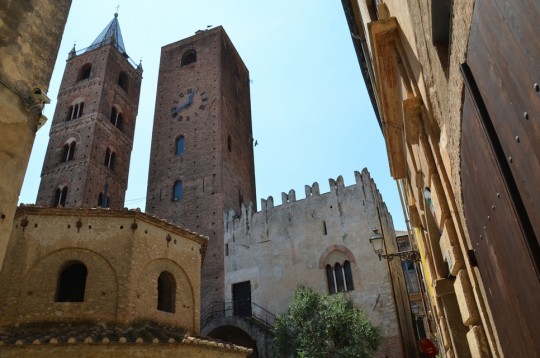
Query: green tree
{"x": 317, "y": 326}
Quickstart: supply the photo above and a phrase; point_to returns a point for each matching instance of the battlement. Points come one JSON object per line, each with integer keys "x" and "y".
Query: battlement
{"x": 364, "y": 191}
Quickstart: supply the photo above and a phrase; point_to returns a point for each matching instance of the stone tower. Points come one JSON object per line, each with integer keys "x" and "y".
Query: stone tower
{"x": 91, "y": 137}
{"x": 202, "y": 148}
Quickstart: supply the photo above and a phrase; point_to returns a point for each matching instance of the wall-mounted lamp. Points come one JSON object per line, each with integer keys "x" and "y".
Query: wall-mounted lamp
{"x": 377, "y": 240}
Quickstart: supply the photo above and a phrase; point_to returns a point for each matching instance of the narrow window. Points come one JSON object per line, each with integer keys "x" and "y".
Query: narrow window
{"x": 348, "y": 276}
{"x": 325, "y": 232}
{"x": 330, "y": 279}
{"x": 340, "y": 283}
{"x": 71, "y": 283}
{"x": 75, "y": 111}
{"x": 117, "y": 119}
{"x": 104, "y": 202}
{"x": 178, "y": 191}
{"x": 110, "y": 159}
{"x": 123, "y": 81}
{"x": 69, "y": 151}
{"x": 180, "y": 142}
{"x": 189, "y": 57}
{"x": 166, "y": 288}
{"x": 229, "y": 143}
{"x": 60, "y": 195}
{"x": 84, "y": 72}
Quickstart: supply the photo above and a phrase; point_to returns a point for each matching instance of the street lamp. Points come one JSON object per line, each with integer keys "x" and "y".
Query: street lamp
{"x": 377, "y": 240}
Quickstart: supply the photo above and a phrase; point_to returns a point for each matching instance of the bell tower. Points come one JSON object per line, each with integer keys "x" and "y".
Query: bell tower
{"x": 91, "y": 137}
{"x": 201, "y": 161}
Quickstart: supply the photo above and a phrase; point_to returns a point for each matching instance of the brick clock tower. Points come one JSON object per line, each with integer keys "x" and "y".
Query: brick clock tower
{"x": 201, "y": 162}
{"x": 91, "y": 137}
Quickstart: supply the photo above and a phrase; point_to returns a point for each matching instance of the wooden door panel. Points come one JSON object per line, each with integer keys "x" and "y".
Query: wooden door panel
{"x": 505, "y": 76}
{"x": 497, "y": 240}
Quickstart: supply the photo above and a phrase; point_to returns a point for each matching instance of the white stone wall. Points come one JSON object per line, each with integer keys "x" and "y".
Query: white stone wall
{"x": 284, "y": 246}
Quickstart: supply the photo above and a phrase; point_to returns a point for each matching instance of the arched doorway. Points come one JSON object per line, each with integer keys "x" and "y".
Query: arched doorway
{"x": 235, "y": 335}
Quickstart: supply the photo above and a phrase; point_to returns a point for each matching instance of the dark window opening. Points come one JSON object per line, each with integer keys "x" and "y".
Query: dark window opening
{"x": 189, "y": 57}
{"x": 71, "y": 283}
{"x": 75, "y": 111}
{"x": 69, "y": 151}
{"x": 84, "y": 72}
{"x": 60, "y": 195}
{"x": 180, "y": 142}
{"x": 166, "y": 287}
{"x": 325, "y": 231}
{"x": 110, "y": 159}
{"x": 330, "y": 279}
{"x": 104, "y": 202}
{"x": 117, "y": 119}
{"x": 178, "y": 191}
{"x": 123, "y": 81}
{"x": 441, "y": 22}
{"x": 229, "y": 144}
{"x": 348, "y": 276}
{"x": 340, "y": 283}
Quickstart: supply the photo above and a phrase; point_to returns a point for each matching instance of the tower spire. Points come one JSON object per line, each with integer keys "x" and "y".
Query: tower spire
{"x": 111, "y": 35}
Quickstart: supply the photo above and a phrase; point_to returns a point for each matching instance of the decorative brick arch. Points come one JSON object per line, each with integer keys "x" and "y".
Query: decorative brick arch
{"x": 333, "y": 248}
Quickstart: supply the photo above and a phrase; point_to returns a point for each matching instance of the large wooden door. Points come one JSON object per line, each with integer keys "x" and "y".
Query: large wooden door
{"x": 501, "y": 167}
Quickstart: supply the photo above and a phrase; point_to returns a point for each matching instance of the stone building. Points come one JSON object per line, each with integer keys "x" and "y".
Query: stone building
{"x": 455, "y": 87}
{"x": 201, "y": 161}
{"x": 91, "y": 137}
{"x": 322, "y": 242}
{"x": 102, "y": 283}
{"x": 30, "y": 30}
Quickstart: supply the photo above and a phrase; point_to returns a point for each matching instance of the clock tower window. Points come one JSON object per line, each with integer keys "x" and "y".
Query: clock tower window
{"x": 189, "y": 57}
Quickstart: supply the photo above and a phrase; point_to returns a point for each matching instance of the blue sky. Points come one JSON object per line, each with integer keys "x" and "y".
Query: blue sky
{"x": 311, "y": 113}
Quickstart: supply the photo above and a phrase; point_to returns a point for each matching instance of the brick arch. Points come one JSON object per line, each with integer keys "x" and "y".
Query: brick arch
{"x": 333, "y": 248}
{"x": 186, "y": 304}
{"x": 69, "y": 138}
{"x": 36, "y": 297}
{"x": 77, "y": 100}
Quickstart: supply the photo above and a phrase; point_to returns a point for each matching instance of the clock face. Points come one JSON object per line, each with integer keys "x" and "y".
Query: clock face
{"x": 190, "y": 103}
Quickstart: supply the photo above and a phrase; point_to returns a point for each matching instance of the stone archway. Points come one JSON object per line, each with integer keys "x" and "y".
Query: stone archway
{"x": 233, "y": 334}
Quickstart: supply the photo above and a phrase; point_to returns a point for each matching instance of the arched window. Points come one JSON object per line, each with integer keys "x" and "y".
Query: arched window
{"x": 69, "y": 151}
{"x": 330, "y": 279}
{"x": 178, "y": 191}
{"x": 117, "y": 119}
{"x": 123, "y": 80}
{"x": 60, "y": 195}
{"x": 166, "y": 287}
{"x": 348, "y": 276}
{"x": 180, "y": 141}
{"x": 75, "y": 111}
{"x": 104, "y": 202}
{"x": 71, "y": 283}
{"x": 189, "y": 57}
{"x": 84, "y": 72}
{"x": 110, "y": 159}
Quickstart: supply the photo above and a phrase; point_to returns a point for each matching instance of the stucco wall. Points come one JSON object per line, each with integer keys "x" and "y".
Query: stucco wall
{"x": 282, "y": 247}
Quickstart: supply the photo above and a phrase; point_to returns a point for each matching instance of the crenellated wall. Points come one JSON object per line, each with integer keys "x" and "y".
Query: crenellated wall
{"x": 290, "y": 245}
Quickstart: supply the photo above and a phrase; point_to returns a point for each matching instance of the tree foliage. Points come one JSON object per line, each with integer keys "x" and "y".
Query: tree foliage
{"x": 316, "y": 326}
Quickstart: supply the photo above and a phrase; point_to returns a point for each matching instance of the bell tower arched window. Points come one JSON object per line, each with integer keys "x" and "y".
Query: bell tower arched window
{"x": 117, "y": 119}
{"x": 84, "y": 72}
{"x": 166, "y": 287}
{"x": 123, "y": 81}
{"x": 60, "y": 195}
{"x": 71, "y": 283}
{"x": 69, "y": 151}
{"x": 110, "y": 159}
{"x": 75, "y": 111}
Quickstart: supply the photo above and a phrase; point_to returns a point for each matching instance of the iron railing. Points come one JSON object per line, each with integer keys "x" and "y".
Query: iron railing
{"x": 248, "y": 310}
